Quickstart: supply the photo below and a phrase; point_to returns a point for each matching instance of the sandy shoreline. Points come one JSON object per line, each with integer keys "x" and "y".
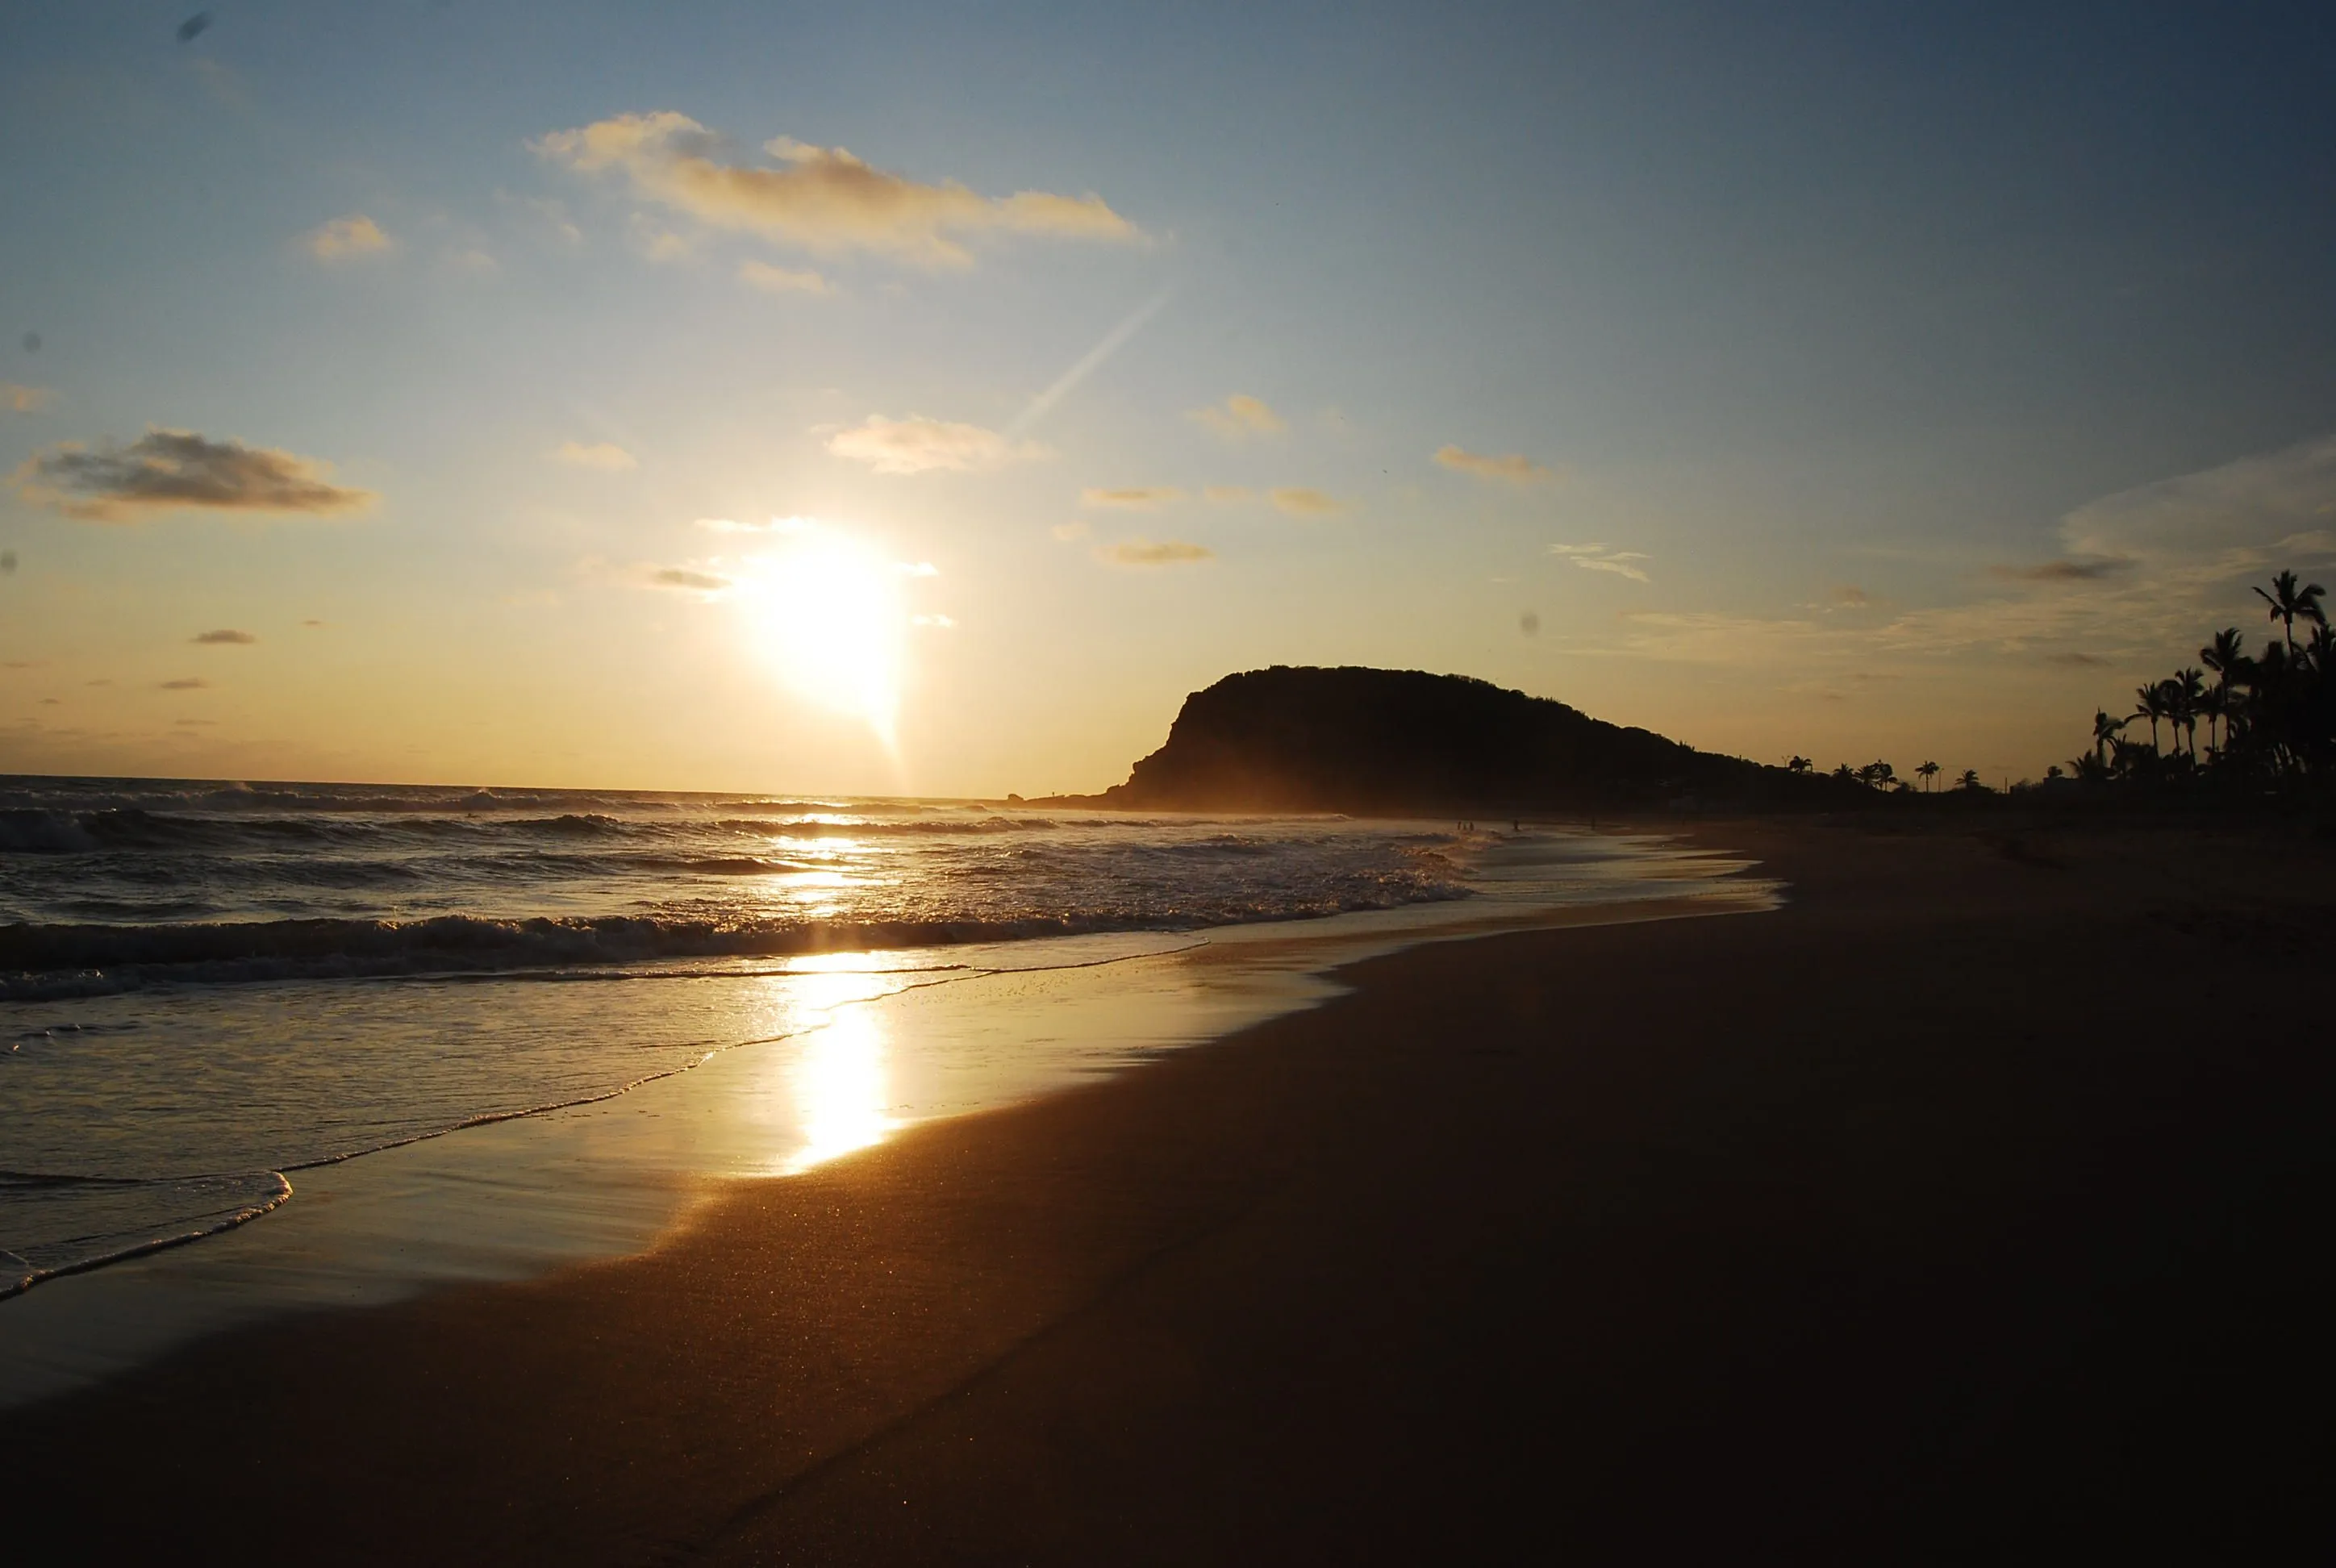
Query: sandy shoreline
{"x": 1968, "y": 1205}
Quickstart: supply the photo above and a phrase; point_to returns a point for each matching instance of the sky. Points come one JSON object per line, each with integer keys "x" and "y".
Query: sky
{"x": 923, "y": 400}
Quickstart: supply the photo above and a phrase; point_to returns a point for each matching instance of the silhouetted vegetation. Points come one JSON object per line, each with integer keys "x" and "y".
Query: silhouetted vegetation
{"x": 2269, "y": 717}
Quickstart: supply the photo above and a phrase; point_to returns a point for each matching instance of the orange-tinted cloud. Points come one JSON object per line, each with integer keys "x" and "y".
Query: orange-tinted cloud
{"x": 1240, "y": 415}
{"x": 1167, "y": 552}
{"x": 1142, "y": 497}
{"x": 20, "y": 399}
{"x": 1298, "y": 500}
{"x": 772, "y": 279}
{"x": 345, "y": 238}
{"x": 228, "y": 638}
{"x": 821, "y": 198}
{"x": 1516, "y": 468}
{"x": 918, "y": 445}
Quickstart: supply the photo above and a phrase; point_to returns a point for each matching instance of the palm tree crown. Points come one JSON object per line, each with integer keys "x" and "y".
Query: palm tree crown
{"x": 2288, "y": 601}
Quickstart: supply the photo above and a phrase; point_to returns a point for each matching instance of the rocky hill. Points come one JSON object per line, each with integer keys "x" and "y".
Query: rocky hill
{"x": 1383, "y": 740}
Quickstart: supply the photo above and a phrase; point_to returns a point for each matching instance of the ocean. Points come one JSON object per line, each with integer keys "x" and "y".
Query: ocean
{"x": 209, "y": 992}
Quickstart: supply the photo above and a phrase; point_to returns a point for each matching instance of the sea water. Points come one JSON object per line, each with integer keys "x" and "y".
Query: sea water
{"x": 214, "y": 998}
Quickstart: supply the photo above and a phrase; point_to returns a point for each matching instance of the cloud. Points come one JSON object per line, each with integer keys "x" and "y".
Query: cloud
{"x": 1598, "y": 558}
{"x": 1516, "y": 468}
{"x": 168, "y": 470}
{"x": 821, "y": 198}
{"x": 1298, "y": 500}
{"x": 190, "y": 683}
{"x": 772, "y": 279}
{"x": 695, "y": 582}
{"x": 938, "y": 622}
{"x": 20, "y": 399}
{"x": 1168, "y": 552}
{"x": 1142, "y": 497}
{"x": 1229, "y": 494}
{"x": 917, "y": 444}
{"x": 474, "y": 262}
{"x": 1240, "y": 415}
{"x": 1849, "y": 595}
{"x": 2063, "y": 570}
{"x": 344, "y": 237}
{"x": 229, "y": 637}
{"x": 1067, "y": 532}
{"x": 606, "y": 456}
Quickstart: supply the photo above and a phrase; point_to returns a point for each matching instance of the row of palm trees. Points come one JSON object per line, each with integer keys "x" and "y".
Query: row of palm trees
{"x": 1882, "y": 775}
{"x": 2269, "y": 718}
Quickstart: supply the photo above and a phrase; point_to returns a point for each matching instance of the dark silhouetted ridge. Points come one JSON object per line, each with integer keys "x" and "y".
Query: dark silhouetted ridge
{"x": 1386, "y": 740}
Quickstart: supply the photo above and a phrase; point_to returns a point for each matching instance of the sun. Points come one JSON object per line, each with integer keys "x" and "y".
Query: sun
{"x": 829, "y": 612}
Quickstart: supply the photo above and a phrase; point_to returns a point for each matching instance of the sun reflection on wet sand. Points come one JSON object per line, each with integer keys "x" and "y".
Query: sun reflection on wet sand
{"x": 842, "y": 1089}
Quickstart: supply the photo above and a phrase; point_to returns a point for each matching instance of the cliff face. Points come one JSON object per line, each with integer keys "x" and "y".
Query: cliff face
{"x": 1379, "y": 740}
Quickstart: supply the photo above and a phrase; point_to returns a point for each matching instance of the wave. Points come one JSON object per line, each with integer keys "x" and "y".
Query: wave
{"x": 59, "y": 962}
{"x": 84, "y": 1223}
{"x": 39, "y": 830}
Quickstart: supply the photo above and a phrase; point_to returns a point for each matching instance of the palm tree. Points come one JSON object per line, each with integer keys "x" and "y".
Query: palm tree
{"x": 1846, "y": 772}
{"x": 1799, "y": 764}
{"x": 2224, "y": 656}
{"x": 2189, "y": 687}
{"x": 2287, "y": 602}
{"x": 1969, "y": 781}
{"x": 2214, "y": 704}
{"x": 2104, "y": 730}
{"x": 1929, "y": 771}
{"x": 2151, "y": 700}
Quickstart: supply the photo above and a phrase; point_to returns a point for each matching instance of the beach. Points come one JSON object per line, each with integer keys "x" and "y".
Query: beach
{"x": 1971, "y": 1205}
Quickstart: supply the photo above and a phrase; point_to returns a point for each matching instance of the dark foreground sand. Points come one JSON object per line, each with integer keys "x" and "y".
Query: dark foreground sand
{"x": 1974, "y": 1207}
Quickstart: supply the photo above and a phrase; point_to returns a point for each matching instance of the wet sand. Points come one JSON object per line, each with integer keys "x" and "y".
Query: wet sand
{"x": 1974, "y": 1204}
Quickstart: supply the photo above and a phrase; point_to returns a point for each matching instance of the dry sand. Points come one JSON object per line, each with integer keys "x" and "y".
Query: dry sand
{"x": 1974, "y": 1205}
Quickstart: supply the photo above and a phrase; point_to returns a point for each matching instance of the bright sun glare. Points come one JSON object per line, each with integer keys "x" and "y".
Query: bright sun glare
{"x": 828, "y": 611}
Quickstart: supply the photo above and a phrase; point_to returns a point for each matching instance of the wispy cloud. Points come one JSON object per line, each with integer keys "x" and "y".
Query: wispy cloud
{"x": 1240, "y": 415}
{"x": 171, "y": 470}
{"x": 1167, "y": 552}
{"x": 2064, "y": 571}
{"x": 918, "y": 445}
{"x": 186, "y": 683}
{"x": 1298, "y": 500}
{"x": 684, "y": 578}
{"x": 1849, "y": 595}
{"x": 20, "y": 399}
{"x": 1516, "y": 468}
{"x": 225, "y": 638}
{"x": 821, "y": 198}
{"x": 772, "y": 279}
{"x": 605, "y": 455}
{"x": 1142, "y": 497}
{"x": 345, "y": 238}
{"x": 1070, "y": 533}
{"x": 1598, "y": 558}
{"x": 1229, "y": 494}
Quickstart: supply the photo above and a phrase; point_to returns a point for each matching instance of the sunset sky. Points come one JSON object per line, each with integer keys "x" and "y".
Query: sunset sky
{"x": 902, "y": 400}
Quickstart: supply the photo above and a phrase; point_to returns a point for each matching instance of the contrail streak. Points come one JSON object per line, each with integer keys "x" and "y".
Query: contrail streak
{"x": 1113, "y": 341}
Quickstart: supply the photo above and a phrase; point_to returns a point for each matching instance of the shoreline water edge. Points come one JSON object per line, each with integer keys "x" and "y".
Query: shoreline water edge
{"x": 642, "y": 1083}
